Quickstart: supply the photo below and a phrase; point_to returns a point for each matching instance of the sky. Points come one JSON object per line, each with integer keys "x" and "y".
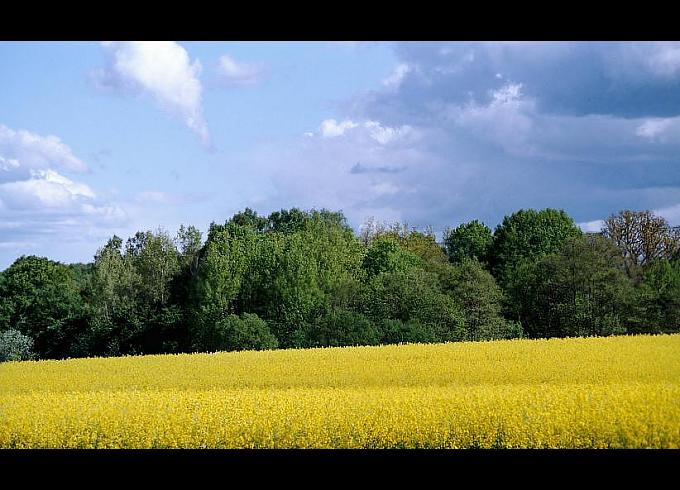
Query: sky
{"x": 104, "y": 138}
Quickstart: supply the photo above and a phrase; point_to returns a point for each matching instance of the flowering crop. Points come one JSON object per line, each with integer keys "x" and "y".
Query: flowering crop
{"x": 573, "y": 393}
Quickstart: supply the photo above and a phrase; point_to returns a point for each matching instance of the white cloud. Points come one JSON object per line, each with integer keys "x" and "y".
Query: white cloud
{"x": 654, "y": 129}
{"x": 384, "y": 135}
{"x": 507, "y": 94}
{"x": 45, "y": 188}
{"x": 507, "y": 120}
{"x": 162, "y": 69}
{"x": 22, "y": 150}
{"x": 385, "y": 188}
{"x": 233, "y": 72}
{"x": 397, "y": 76}
{"x": 664, "y": 59}
{"x": 330, "y": 128}
{"x": 671, "y": 213}
{"x": 166, "y": 198}
{"x": 8, "y": 164}
{"x": 592, "y": 226}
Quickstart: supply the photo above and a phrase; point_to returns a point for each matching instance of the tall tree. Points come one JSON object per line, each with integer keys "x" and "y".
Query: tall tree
{"x": 642, "y": 238}
{"x": 656, "y": 303}
{"x": 581, "y": 290}
{"x": 470, "y": 240}
{"x": 528, "y": 235}
{"x": 40, "y": 299}
{"x": 481, "y": 300}
{"x": 248, "y": 217}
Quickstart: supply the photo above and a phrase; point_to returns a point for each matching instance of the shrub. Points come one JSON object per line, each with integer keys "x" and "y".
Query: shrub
{"x": 342, "y": 327}
{"x": 247, "y": 332}
{"x": 14, "y": 346}
{"x": 412, "y": 331}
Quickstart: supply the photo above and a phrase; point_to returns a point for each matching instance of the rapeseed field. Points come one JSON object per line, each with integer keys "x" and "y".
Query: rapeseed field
{"x": 614, "y": 392}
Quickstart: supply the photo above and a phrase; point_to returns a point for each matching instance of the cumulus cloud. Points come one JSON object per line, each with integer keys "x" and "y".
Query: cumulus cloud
{"x": 330, "y": 128}
{"x": 162, "y": 69}
{"x": 671, "y": 213}
{"x": 395, "y": 78}
{"x": 576, "y": 78}
{"x": 22, "y": 151}
{"x": 384, "y": 135}
{"x": 41, "y": 208}
{"x": 660, "y": 130}
{"x": 380, "y": 169}
{"x": 592, "y": 226}
{"x": 479, "y": 130}
{"x": 45, "y": 188}
{"x": 154, "y": 197}
{"x": 232, "y": 72}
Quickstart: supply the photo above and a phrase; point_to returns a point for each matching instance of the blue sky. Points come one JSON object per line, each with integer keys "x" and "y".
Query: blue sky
{"x": 104, "y": 138}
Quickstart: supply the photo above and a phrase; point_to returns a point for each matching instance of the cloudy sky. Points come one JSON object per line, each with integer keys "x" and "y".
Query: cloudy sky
{"x": 114, "y": 137}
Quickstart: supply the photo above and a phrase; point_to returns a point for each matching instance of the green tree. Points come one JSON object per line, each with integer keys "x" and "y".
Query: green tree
{"x": 342, "y": 328}
{"x": 385, "y": 255}
{"x": 409, "y": 332}
{"x": 528, "y": 235}
{"x": 15, "y": 346}
{"x": 475, "y": 290}
{"x": 247, "y": 332}
{"x": 156, "y": 260}
{"x": 642, "y": 238}
{"x": 286, "y": 220}
{"x": 40, "y": 299}
{"x": 134, "y": 307}
{"x": 413, "y": 295}
{"x": 114, "y": 322}
{"x": 655, "y": 304}
{"x": 470, "y": 240}
{"x": 250, "y": 218}
{"x": 224, "y": 262}
{"x": 582, "y": 290}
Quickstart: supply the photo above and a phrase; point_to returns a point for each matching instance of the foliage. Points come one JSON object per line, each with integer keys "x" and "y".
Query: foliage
{"x": 409, "y": 332}
{"x": 14, "y": 346}
{"x": 247, "y": 332}
{"x": 470, "y": 240}
{"x": 385, "y": 255}
{"x": 302, "y": 278}
{"x": 133, "y": 300}
{"x": 480, "y": 299}
{"x": 642, "y": 238}
{"x": 582, "y": 290}
{"x": 40, "y": 299}
{"x": 528, "y": 235}
{"x": 342, "y": 328}
{"x": 414, "y": 295}
{"x": 655, "y": 304}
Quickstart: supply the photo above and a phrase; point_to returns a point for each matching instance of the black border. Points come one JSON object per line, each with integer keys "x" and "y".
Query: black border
{"x": 369, "y": 21}
{"x": 560, "y": 465}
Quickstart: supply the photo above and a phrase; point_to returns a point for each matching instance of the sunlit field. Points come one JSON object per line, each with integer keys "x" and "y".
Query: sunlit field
{"x": 614, "y": 392}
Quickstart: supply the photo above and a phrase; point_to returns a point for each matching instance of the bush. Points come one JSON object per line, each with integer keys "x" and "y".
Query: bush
{"x": 475, "y": 290}
{"x": 14, "y": 346}
{"x": 411, "y": 332}
{"x": 414, "y": 295}
{"x": 341, "y": 328}
{"x": 248, "y": 332}
{"x": 217, "y": 332}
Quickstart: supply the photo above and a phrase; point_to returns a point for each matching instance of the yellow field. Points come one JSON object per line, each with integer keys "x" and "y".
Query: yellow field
{"x": 567, "y": 393}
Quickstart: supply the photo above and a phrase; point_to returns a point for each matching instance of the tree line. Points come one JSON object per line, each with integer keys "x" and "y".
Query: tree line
{"x": 297, "y": 279}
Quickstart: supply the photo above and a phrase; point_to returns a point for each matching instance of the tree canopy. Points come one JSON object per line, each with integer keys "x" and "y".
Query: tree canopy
{"x": 300, "y": 278}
